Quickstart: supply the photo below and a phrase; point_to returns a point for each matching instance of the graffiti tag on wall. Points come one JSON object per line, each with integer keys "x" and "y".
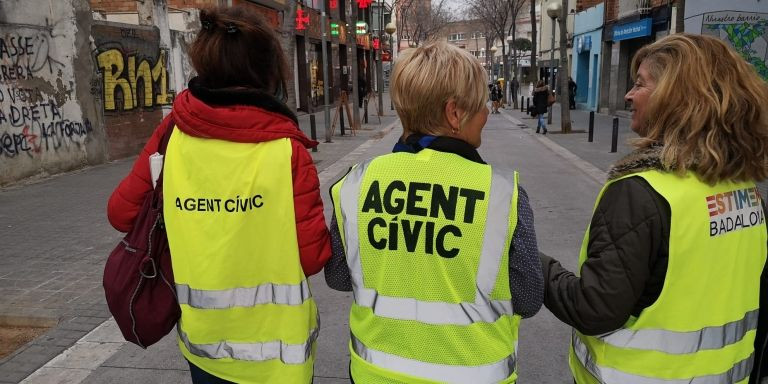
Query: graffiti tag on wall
{"x": 135, "y": 81}
{"x": 34, "y": 90}
{"x": 133, "y": 68}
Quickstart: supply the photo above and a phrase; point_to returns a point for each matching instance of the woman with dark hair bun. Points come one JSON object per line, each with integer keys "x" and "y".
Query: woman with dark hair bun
{"x": 242, "y": 209}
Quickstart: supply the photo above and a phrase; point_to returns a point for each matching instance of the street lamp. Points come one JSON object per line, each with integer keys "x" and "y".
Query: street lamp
{"x": 554, "y": 11}
{"x": 493, "y": 59}
{"x": 390, "y": 29}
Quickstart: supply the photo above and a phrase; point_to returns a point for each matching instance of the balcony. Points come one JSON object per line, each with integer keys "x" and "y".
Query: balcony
{"x": 634, "y": 7}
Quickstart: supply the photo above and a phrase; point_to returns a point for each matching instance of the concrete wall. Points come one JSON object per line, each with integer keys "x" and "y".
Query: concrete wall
{"x": 734, "y": 20}
{"x": 50, "y": 118}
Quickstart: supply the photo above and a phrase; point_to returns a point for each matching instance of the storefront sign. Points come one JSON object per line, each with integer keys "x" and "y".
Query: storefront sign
{"x": 376, "y": 43}
{"x": 362, "y": 4}
{"x": 302, "y": 20}
{"x": 632, "y": 30}
{"x": 361, "y": 28}
{"x": 583, "y": 44}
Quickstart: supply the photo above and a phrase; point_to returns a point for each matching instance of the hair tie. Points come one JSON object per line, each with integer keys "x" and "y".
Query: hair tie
{"x": 206, "y": 24}
{"x": 231, "y": 28}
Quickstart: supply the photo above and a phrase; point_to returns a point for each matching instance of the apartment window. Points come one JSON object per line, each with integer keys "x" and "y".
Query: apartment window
{"x": 456, "y": 37}
{"x": 478, "y": 35}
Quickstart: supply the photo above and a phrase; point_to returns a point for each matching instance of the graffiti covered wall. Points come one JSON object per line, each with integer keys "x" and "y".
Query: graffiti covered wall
{"x": 134, "y": 83}
{"x": 49, "y": 120}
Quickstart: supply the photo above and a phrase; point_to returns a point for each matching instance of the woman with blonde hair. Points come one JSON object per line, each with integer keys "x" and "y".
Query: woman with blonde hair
{"x": 669, "y": 289}
{"x": 438, "y": 246}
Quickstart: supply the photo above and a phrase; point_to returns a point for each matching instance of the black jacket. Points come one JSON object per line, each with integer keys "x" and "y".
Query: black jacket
{"x": 627, "y": 259}
{"x": 540, "y": 96}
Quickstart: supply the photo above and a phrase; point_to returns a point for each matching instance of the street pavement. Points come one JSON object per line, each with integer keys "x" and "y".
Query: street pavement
{"x": 55, "y": 239}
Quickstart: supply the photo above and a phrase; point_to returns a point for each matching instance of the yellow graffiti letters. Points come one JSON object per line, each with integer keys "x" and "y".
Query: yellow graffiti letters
{"x": 154, "y": 80}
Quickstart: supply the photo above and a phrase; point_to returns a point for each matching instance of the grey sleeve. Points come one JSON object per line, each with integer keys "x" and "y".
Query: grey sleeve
{"x": 526, "y": 281}
{"x": 336, "y": 270}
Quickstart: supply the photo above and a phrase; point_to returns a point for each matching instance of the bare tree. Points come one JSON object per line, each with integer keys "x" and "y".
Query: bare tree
{"x": 500, "y": 16}
{"x": 422, "y": 20}
{"x": 565, "y": 106}
{"x": 515, "y": 6}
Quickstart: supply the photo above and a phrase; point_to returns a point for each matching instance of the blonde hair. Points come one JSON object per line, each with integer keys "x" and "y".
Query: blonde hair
{"x": 708, "y": 109}
{"x": 426, "y": 78}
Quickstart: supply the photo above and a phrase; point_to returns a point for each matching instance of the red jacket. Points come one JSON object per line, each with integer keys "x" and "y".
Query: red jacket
{"x": 245, "y": 116}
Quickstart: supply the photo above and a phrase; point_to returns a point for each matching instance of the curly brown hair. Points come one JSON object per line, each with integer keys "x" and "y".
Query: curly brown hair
{"x": 708, "y": 109}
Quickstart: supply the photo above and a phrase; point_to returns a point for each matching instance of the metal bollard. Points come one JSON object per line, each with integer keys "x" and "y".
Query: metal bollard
{"x": 615, "y": 135}
{"x": 341, "y": 121}
{"x": 591, "y": 126}
{"x": 527, "y": 104}
{"x": 522, "y": 99}
{"x": 365, "y": 111}
{"x": 312, "y": 130}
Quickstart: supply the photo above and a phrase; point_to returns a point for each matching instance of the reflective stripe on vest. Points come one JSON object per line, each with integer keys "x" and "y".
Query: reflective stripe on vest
{"x": 287, "y": 353}
{"x": 267, "y": 293}
{"x": 607, "y": 375}
{"x": 683, "y": 342}
{"x": 490, "y": 373}
{"x": 482, "y": 310}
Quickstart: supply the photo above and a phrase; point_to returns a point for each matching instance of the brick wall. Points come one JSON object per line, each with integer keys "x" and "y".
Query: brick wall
{"x": 585, "y": 4}
{"x": 113, "y": 5}
{"x": 611, "y": 10}
{"x": 130, "y": 5}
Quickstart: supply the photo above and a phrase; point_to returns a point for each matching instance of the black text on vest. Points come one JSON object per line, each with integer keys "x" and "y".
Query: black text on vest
{"x": 409, "y": 201}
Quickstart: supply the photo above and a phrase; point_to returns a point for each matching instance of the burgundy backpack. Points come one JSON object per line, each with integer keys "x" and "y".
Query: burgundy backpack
{"x": 138, "y": 279}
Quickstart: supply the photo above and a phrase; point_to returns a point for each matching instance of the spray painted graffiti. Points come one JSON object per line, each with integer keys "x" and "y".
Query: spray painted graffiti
{"x": 142, "y": 81}
{"x": 27, "y": 50}
{"x": 36, "y": 112}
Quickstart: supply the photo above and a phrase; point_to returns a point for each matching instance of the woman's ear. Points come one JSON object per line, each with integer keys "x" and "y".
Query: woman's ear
{"x": 452, "y": 116}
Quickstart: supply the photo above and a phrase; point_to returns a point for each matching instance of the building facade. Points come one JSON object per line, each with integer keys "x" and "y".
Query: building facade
{"x": 629, "y": 25}
{"x": 587, "y": 55}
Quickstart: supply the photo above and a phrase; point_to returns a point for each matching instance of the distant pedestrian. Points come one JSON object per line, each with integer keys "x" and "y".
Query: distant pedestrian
{"x": 495, "y": 97}
{"x": 541, "y": 95}
{"x": 242, "y": 209}
{"x": 572, "y": 93}
{"x": 670, "y": 287}
{"x": 362, "y": 90}
{"x": 443, "y": 265}
{"x": 514, "y": 87}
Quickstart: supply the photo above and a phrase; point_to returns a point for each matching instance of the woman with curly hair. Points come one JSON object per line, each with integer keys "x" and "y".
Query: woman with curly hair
{"x": 670, "y": 287}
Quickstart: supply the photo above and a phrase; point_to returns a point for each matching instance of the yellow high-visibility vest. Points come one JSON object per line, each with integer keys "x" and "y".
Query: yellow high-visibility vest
{"x": 428, "y": 254}
{"x": 701, "y": 329}
{"x": 247, "y": 312}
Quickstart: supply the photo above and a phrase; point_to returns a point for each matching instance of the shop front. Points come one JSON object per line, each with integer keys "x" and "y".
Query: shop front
{"x": 588, "y": 30}
{"x": 623, "y": 39}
